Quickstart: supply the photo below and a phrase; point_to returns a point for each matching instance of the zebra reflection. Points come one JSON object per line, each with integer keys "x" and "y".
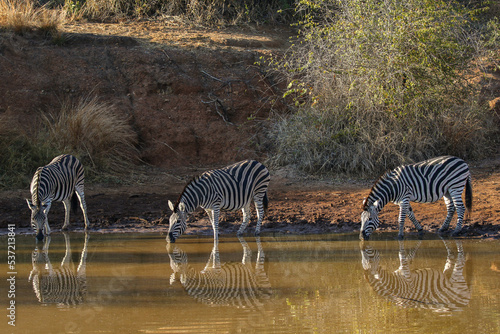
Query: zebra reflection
{"x": 63, "y": 285}
{"x": 440, "y": 291}
{"x": 233, "y": 284}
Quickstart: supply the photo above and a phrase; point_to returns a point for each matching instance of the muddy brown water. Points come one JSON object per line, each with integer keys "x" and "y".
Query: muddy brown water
{"x": 135, "y": 283}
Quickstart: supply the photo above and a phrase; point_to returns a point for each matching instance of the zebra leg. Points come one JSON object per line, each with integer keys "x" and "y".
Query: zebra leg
{"x": 246, "y": 219}
{"x": 82, "y": 265}
{"x": 67, "y": 255}
{"x": 450, "y": 208}
{"x": 415, "y": 222}
{"x": 215, "y": 224}
{"x": 259, "y": 207}
{"x": 46, "y": 211}
{"x": 403, "y": 209}
{"x": 459, "y": 206}
{"x": 214, "y": 259}
{"x": 67, "y": 208}
{"x": 83, "y": 204}
{"x": 247, "y": 252}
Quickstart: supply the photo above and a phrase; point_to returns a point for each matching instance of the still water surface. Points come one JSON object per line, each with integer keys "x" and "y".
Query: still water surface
{"x": 133, "y": 283}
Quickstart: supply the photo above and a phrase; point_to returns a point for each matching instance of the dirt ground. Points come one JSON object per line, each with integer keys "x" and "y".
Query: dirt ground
{"x": 197, "y": 100}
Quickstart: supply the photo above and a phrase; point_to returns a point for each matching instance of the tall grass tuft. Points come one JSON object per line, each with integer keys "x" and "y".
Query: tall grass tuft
{"x": 93, "y": 131}
{"x": 22, "y": 16}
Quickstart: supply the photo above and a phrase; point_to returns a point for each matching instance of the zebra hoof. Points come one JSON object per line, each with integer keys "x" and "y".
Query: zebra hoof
{"x": 421, "y": 234}
{"x": 456, "y": 233}
{"x": 401, "y": 236}
{"x": 257, "y": 233}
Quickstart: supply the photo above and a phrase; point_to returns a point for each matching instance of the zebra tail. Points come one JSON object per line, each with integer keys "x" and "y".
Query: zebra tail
{"x": 265, "y": 203}
{"x": 468, "y": 196}
{"x": 74, "y": 203}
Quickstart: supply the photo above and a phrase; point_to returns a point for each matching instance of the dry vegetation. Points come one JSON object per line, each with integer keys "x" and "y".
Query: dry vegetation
{"x": 366, "y": 94}
{"x": 380, "y": 83}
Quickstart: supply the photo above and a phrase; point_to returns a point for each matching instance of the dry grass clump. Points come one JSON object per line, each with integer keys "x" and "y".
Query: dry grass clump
{"x": 199, "y": 12}
{"x": 22, "y": 16}
{"x": 95, "y": 133}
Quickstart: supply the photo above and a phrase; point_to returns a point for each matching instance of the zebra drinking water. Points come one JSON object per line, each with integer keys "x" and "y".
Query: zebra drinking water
{"x": 61, "y": 181}
{"x": 230, "y": 188}
{"x": 422, "y": 182}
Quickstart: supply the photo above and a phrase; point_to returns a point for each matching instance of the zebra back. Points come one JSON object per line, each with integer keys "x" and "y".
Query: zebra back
{"x": 57, "y": 180}
{"x": 235, "y": 186}
{"x": 428, "y": 180}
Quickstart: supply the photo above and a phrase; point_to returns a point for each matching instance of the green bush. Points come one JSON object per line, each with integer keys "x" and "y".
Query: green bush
{"x": 379, "y": 83}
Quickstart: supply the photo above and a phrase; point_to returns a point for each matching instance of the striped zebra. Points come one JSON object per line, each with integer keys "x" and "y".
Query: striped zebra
{"x": 428, "y": 288}
{"x": 422, "y": 182}
{"x": 232, "y": 284}
{"x": 63, "y": 285}
{"x": 61, "y": 181}
{"x": 230, "y": 188}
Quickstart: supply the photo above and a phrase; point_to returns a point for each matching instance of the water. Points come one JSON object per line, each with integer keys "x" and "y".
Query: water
{"x": 131, "y": 283}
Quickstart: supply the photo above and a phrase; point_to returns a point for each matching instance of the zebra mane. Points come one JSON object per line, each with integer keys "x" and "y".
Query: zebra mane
{"x": 193, "y": 180}
{"x": 382, "y": 177}
{"x": 35, "y": 196}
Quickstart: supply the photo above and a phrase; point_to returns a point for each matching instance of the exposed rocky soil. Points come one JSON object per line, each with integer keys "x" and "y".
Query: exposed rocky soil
{"x": 197, "y": 100}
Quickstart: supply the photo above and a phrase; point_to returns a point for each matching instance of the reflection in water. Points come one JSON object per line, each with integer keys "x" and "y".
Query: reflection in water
{"x": 234, "y": 284}
{"x": 63, "y": 285}
{"x": 422, "y": 288}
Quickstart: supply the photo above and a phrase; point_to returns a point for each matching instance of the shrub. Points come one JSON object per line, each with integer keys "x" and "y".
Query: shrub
{"x": 379, "y": 83}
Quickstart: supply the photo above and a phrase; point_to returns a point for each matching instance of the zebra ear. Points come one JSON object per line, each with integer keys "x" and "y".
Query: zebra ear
{"x": 171, "y": 205}
{"x": 30, "y": 205}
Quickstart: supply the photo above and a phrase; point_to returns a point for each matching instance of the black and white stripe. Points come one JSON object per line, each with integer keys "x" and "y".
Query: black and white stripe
{"x": 231, "y": 284}
{"x": 63, "y": 285}
{"x": 429, "y": 288}
{"x": 423, "y": 182}
{"x": 230, "y": 188}
{"x": 60, "y": 181}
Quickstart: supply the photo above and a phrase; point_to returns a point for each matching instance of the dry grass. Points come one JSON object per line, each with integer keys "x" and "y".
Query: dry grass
{"x": 95, "y": 133}
{"x": 22, "y": 16}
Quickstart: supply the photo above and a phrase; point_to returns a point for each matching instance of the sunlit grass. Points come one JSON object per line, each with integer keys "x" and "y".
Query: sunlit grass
{"x": 24, "y": 15}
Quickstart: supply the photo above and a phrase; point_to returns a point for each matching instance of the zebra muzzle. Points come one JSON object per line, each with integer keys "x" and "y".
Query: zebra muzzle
{"x": 39, "y": 236}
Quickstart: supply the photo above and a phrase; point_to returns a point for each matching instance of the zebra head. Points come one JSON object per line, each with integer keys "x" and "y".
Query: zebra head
{"x": 38, "y": 217}
{"x": 369, "y": 220}
{"x": 177, "y": 221}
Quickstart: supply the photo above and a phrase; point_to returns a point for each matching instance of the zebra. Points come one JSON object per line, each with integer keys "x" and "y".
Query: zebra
{"x": 61, "y": 181}
{"x": 428, "y": 288}
{"x": 232, "y": 284}
{"x": 423, "y": 182}
{"x": 63, "y": 285}
{"x": 230, "y": 188}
